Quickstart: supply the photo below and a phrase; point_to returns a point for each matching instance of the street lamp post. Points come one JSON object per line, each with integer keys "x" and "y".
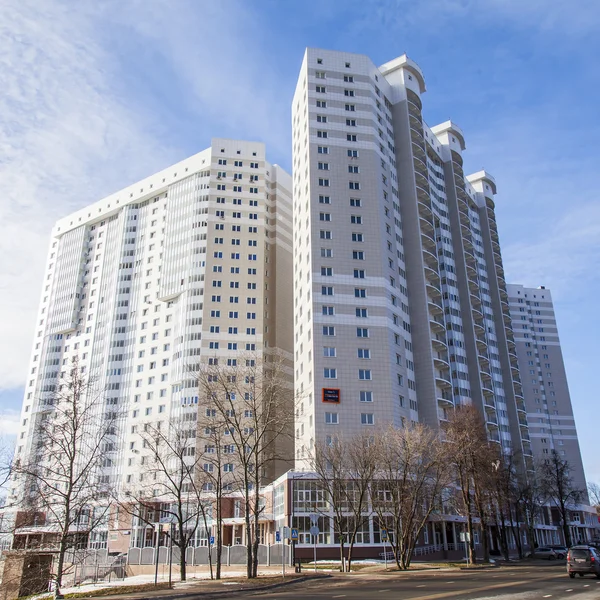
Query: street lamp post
{"x": 170, "y": 551}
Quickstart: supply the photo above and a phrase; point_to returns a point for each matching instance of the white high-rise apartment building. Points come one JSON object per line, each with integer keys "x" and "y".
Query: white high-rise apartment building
{"x": 545, "y": 388}
{"x": 178, "y": 267}
{"x": 401, "y": 309}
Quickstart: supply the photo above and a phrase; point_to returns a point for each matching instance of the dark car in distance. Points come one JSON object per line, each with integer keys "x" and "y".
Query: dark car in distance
{"x": 582, "y": 560}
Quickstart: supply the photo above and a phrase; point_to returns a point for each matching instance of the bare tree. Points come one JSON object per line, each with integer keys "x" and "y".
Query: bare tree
{"x": 63, "y": 479}
{"x": 6, "y": 464}
{"x": 530, "y": 499}
{"x": 345, "y": 469}
{"x": 503, "y": 499}
{"x": 172, "y": 481}
{"x": 213, "y": 454}
{"x": 558, "y": 487}
{"x": 594, "y": 495}
{"x": 412, "y": 471}
{"x": 473, "y": 461}
{"x": 253, "y": 398}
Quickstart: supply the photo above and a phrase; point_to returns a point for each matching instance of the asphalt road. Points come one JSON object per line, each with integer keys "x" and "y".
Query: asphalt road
{"x": 526, "y": 582}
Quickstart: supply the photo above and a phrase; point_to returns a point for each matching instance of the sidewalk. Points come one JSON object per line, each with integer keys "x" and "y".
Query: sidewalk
{"x": 197, "y": 586}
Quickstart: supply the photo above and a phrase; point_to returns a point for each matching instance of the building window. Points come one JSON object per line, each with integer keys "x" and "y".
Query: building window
{"x": 364, "y": 374}
{"x": 367, "y": 419}
{"x": 366, "y": 396}
{"x": 329, "y": 373}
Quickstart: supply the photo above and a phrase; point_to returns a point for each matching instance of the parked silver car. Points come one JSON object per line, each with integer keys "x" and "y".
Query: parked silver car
{"x": 561, "y": 551}
{"x": 545, "y": 552}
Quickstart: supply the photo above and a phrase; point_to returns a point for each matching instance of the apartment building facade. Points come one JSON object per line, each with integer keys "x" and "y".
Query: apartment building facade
{"x": 545, "y": 387}
{"x": 401, "y": 309}
{"x": 179, "y": 268}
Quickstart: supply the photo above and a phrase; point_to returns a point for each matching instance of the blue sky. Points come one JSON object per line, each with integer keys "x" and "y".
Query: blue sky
{"x": 98, "y": 95}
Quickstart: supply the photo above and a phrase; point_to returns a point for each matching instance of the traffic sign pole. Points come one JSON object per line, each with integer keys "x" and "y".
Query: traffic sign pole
{"x": 384, "y": 537}
{"x": 280, "y": 538}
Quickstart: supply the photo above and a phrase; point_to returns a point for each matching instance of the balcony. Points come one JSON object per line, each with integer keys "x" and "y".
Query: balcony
{"x": 426, "y": 226}
{"x": 475, "y": 301}
{"x": 433, "y": 290}
{"x": 440, "y": 360}
{"x": 419, "y": 154}
{"x": 467, "y": 240}
{"x": 438, "y": 343}
{"x": 491, "y": 418}
{"x": 422, "y": 181}
{"x": 416, "y": 133}
{"x": 493, "y": 436}
{"x": 490, "y": 203}
{"x": 494, "y": 233}
{"x": 414, "y": 109}
{"x": 432, "y": 276}
{"x": 444, "y": 401}
{"x": 437, "y": 325}
{"x": 481, "y": 344}
{"x": 517, "y": 388}
{"x": 428, "y": 241}
{"x": 435, "y": 306}
{"x": 473, "y": 285}
{"x": 484, "y": 361}
{"x": 470, "y": 259}
{"x": 431, "y": 260}
{"x": 415, "y": 121}
{"x": 424, "y": 205}
{"x": 488, "y": 402}
{"x": 479, "y": 328}
{"x": 442, "y": 379}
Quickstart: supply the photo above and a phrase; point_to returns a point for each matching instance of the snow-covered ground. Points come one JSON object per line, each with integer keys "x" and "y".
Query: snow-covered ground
{"x": 149, "y": 578}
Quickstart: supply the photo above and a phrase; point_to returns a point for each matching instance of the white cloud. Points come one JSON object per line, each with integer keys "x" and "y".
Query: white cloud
{"x": 563, "y": 257}
{"x": 66, "y": 140}
{"x": 548, "y": 205}
{"x": 9, "y": 426}
{"x": 224, "y": 74}
{"x": 77, "y": 120}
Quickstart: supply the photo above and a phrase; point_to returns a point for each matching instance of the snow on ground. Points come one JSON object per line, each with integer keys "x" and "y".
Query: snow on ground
{"x": 145, "y": 579}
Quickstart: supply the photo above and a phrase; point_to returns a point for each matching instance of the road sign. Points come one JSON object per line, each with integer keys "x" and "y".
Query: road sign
{"x": 314, "y": 518}
{"x": 286, "y": 533}
{"x": 384, "y": 535}
{"x": 294, "y": 534}
{"x": 465, "y": 537}
{"x": 277, "y": 536}
{"x": 211, "y": 540}
{"x": 314, "y": 530}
